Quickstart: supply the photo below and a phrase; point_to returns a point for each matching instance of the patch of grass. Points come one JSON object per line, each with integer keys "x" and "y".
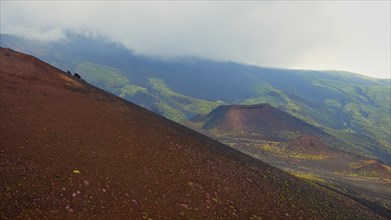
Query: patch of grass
{"x": 366, "y": 109}
{"x": 366, "y": 173}
{"x": 274, "y": 148}
{"x": 105, "y": 77}
{"x": 170, "y": 112}
{"x": 279, "y": 149}
{"x": 310, "y": 156}
{"x": 309, "y": 177}
{"x": 131, "y": 90}
{"x": 266, "y": 93}
{"x": 361, "y": 144}
{"x": 181, "y": 103}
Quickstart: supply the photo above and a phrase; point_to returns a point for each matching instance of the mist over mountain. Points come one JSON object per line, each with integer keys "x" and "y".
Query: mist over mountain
{"x": 318, "y": 35}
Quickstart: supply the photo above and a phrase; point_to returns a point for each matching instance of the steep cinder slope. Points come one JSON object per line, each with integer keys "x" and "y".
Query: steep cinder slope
{"x": 70, "y": 150}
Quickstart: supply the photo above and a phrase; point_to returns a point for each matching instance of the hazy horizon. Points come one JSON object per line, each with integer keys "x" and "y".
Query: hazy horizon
{"x": 345, "y": 36}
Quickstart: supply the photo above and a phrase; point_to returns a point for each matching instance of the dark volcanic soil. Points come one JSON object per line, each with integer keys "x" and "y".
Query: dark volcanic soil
{"x": 70, "y": 150}
{"x": 308, "y": 144}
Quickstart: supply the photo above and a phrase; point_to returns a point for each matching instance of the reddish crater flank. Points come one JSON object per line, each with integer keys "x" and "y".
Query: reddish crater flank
{"x": 309, "y": 144}
{"x": 370, "y": 168}
{"x": 72, "y": 151}
{"x": 254, "y": 118}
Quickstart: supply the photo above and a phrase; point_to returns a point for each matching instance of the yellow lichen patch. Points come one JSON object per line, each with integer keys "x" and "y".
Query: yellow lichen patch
{"x": 361, "y": 163}
{"x": 310, "y": 156}
{"x": 275, "y": 148}
{"x": 308, "y": 176}
{"x": 368, "y": 168}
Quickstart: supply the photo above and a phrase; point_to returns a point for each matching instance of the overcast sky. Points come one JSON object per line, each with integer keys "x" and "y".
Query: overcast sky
{"x": 351, "y": 36}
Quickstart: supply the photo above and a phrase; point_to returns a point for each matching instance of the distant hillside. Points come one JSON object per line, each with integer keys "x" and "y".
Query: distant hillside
{"x": 370, "y": 168}
{"x": 353, "y": 107}
{"x": 265, "y": 122}
{"x": 308, "y": 144}
{"x": 255, "y": 119}
{"x": 70, "y": 150}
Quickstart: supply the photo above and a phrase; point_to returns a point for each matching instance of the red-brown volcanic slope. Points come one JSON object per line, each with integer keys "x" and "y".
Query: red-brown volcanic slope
{"x": 70, "y": 150}
{"x": 372, "y": 168}
{"x": 249, "y": 118}
{"x": 309, "y": 144}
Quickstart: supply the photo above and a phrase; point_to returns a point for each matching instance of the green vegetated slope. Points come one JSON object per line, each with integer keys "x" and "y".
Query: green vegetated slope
{"x": 347, "y": 105}
{"x": 157, "y": 95}
{"x": 183, "y": 103}
{"x": 107, "y": 78}
{"x": 330, "y": 103}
